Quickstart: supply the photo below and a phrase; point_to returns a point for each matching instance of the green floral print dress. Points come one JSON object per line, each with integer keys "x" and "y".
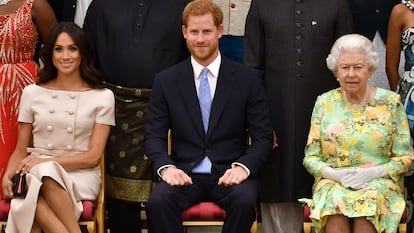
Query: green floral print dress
{"x": 340, "y": 137}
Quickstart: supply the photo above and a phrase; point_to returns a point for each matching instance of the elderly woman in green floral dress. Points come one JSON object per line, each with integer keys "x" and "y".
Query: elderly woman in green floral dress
{"x": 358, "y": 147}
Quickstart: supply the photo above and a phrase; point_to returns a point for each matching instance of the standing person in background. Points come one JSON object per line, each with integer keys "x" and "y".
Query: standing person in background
{"x": 234, "y": 21}
{"x": 289, "y": 41}
{"x": 70, "y": 10}
{"x": 22, "y": 23}
{"x": 133, "y": 39}
{"x": 80, "y": 11}
{"x": 370, "y": 18}
{"x": 400, "y": 38}
{"x": 56, "y": 6}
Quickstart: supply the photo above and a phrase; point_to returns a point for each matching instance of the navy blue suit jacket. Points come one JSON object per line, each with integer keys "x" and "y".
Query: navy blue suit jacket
{"x": 239, "y": 104}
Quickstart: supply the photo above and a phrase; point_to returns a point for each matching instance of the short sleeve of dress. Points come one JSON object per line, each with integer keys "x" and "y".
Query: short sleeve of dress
{"x": 106, "y": 110}
{"x": 25, "y": 110}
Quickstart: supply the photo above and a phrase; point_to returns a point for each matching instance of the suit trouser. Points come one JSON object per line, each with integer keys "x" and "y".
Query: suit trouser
{"x": 167, "y": 202}
{"x": 123, "y": 216}
{"x": 286, "y": 217}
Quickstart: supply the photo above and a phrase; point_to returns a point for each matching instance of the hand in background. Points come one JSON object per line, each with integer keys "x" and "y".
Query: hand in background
{"x": 362, "y": 176}
{"x": 275, "y": 144}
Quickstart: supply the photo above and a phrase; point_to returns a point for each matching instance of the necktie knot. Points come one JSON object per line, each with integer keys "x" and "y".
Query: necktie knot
{"x": 204, "y": 73}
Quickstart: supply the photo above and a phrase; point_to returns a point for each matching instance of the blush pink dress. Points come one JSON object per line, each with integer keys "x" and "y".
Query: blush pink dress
{"x": 62, "y": 122}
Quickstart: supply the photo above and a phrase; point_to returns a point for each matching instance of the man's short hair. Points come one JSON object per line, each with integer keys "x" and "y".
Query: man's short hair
{"x": 202, "y": 7}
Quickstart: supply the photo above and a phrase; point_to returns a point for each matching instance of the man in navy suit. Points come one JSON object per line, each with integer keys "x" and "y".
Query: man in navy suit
{"x": 210, "y": 161}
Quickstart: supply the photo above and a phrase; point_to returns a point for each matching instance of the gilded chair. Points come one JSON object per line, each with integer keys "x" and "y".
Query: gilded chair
{"x": 307, "y": 222}
{"x": 92, "y": 217}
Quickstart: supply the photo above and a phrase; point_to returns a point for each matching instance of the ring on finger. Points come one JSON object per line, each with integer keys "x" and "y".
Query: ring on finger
{"x": 27, "y": 163}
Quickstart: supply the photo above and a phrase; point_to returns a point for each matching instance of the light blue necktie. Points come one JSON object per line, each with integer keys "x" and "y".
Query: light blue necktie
{"x": 204, "y": 96}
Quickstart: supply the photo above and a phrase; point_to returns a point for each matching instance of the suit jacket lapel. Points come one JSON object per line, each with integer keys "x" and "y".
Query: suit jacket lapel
{"x": 187, "y": 88}
{"x": 224, "y": 88}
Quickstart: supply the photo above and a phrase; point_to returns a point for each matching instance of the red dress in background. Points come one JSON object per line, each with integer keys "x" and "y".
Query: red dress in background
{"x": 18, "y": 37}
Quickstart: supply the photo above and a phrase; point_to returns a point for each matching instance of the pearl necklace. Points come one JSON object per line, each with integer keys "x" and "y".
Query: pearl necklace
{"x": 356, "y": 107}
{"x": 4, "y": 2}
{"x": 409, "y": 4}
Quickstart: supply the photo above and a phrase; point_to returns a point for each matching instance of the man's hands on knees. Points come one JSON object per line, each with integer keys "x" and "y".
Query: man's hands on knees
{"x": 232, "y": 176}
{"x": 175, "y": 177}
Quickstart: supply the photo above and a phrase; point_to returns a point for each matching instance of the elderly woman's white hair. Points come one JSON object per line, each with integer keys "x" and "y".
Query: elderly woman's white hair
{"x": 352, "y": 43}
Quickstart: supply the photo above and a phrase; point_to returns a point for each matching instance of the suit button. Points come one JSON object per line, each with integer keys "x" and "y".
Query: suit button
{"x": 207, "y": 151}
{"x": 192, "y": 164}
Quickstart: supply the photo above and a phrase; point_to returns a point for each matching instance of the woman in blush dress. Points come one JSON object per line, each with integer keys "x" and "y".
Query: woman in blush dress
{"x": 21, "y": 23}
{"x": 68, "y": 115}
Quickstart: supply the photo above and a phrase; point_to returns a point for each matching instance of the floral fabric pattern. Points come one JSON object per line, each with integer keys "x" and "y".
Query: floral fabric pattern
{"x": 376, "y": 135}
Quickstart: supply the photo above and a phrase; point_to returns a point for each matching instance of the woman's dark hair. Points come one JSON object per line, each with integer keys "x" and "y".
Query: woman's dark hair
{"x": 87, "y": 70}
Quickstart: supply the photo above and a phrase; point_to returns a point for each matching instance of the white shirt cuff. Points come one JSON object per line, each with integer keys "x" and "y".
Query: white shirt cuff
{"x": 163, "y": 167}
{"x": 243, "y": 166}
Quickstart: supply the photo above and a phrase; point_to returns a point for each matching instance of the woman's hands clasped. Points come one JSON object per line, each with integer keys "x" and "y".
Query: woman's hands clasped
{"x": 355, "y": 178}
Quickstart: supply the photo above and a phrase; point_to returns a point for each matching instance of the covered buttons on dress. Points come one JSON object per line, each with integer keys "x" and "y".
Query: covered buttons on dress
{"x": 63, "y": 108}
